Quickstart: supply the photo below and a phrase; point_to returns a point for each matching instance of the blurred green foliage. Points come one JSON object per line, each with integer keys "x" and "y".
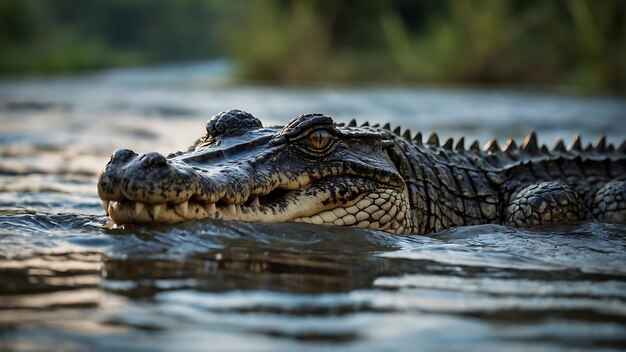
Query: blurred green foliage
{"x": 577, "y": 44}
{"x": 40, "y": 36}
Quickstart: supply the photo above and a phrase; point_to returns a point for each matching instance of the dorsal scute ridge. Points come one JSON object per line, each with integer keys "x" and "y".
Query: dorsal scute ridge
{"x": 433, "y": 139}
{"x": 460, "y": 145}
{"x": 530, "y": 143}
{"x": 576, "y": 144}
{"x": 418, "y": 138}
{"x": 622, "y": 147}
{"x": 491, "y": 146}
{"x": 559, "y": 146}
{"x": 510, "y": 146}
{"x": 600, "y": 144}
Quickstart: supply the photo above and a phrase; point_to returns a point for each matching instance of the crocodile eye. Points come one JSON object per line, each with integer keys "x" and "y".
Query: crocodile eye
{"x": 318, "y": 139}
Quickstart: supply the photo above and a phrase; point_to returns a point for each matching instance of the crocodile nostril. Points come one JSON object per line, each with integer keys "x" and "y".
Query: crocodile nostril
{"x": 154, "y": 159}
{"x": 122, "y": 156}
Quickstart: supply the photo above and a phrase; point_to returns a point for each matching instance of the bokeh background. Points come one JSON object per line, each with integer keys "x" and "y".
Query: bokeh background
{"x": 81, "y": 78}
{"x": 572, "y": 45}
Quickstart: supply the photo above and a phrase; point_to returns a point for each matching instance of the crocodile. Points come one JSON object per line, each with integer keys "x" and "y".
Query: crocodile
{"x": 315, "y": 170}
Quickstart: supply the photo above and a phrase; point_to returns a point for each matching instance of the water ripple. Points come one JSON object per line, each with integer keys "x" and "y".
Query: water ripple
{"x": 69, "y": 282}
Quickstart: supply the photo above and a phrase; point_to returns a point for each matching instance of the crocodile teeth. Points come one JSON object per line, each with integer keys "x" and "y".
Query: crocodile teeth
{"x": 255, "y": 201}
{"x": 210, "y": 209}
{"x": 139, "y": 207}
{"x": 231, "y": 209}
{"x": 183, "y": 208}
{"x": 105, "y": 205}
{"x": 156, "y": 209}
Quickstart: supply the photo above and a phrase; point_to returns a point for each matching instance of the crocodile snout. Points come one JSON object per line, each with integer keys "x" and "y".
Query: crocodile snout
{"x": 126, "y": 156}
{"x": 147, "y": 178}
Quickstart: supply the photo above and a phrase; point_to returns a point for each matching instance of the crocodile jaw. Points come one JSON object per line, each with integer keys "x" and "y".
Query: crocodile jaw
{"x": 337, "y": 201}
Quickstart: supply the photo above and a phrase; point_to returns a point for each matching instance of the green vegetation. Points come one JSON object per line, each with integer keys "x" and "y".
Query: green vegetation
{"x": 572, "y": 44}
{"x": 42, "y": 36}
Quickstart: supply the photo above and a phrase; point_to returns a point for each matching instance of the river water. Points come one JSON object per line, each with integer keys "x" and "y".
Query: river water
{"x": 69, "y": 283}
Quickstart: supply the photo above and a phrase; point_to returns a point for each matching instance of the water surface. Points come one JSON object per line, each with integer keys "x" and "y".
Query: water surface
{"x": 69, "y": 283}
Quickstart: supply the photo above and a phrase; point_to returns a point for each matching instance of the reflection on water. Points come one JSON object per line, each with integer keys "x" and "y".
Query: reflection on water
{"x": 69, "y": 283}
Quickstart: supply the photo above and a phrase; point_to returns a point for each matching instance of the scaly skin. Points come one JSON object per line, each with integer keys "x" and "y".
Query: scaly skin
{"x": 313, "y": 170}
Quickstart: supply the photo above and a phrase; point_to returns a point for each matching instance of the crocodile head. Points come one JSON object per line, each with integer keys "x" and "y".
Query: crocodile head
{"x": 310, "y": 170}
